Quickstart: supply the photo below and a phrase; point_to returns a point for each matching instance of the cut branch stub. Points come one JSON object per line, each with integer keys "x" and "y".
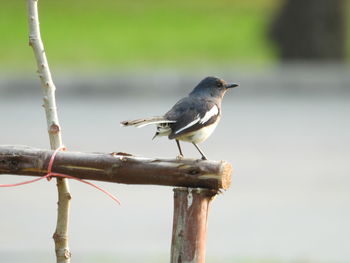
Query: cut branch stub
{"x": 116, "y": 168}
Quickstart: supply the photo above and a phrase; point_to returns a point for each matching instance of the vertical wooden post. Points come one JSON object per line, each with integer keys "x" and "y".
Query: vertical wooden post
{"x": 191, "y": 207}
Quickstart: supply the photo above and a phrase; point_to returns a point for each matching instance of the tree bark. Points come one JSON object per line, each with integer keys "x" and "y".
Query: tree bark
{"x": 117, "y": 168}
{"x": 191, "y": 208}
{"x": 61, "y": 233}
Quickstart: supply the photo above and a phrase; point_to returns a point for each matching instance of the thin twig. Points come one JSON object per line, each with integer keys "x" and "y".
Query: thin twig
{"x": 61, "y": 233}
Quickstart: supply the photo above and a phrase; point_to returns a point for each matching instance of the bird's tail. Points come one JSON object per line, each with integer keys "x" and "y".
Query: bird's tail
{"x": 143, "y": 122}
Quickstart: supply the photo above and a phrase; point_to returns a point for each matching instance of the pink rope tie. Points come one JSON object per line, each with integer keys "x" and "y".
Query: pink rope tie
{"x": 51, "y": 174}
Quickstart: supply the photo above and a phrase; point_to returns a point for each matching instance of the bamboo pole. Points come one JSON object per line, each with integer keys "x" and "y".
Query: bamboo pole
{"x": 191, "y": 207}
{"x": 61, "y": 233}
{"x": 117, "y": 168}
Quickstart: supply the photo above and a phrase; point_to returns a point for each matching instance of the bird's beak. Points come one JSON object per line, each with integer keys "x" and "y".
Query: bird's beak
{"x": 232, "y": 85}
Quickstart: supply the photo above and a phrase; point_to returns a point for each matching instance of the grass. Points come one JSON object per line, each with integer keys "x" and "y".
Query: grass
{"x": 154, "y": 33}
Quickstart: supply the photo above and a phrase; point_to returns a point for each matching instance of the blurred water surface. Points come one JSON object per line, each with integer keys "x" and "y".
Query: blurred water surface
{"x": 289, "y": 200}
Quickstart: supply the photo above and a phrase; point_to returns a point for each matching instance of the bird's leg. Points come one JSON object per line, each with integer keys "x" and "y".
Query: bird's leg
{"x": 200, "y": 151}
{"x": 179, "y": 147}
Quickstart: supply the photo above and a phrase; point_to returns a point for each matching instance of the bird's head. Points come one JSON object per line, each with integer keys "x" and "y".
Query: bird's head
{"x": 213, "y": 87}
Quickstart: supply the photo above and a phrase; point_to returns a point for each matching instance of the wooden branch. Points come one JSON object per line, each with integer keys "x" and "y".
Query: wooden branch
{"x": 117, "y": 168}
{"x": 191, "y": 207}
{"x": 61, "y": 233}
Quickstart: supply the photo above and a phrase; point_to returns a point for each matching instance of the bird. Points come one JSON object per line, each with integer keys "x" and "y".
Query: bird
{"x": 193, "y": 118}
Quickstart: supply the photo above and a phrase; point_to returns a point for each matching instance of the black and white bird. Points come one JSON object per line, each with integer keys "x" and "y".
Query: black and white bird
{"x": 193, "y": 118}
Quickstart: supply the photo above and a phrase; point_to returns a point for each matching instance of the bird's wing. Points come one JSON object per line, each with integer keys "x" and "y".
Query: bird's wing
{"x": 190, "y": 115}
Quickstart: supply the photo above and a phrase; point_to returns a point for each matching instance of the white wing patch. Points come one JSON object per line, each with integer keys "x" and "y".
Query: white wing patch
{"x": 189, "y": 125}
{"x": 212, "y": 112}
{"x": 152, "y": 122}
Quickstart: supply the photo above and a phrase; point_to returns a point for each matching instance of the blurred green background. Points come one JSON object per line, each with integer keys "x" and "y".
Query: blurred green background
{"x": 140, "y": 33}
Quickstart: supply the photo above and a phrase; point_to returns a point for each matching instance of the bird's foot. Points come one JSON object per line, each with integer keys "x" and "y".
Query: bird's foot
{"x": 204, "y": 158}
{"x": 179, "y": 157}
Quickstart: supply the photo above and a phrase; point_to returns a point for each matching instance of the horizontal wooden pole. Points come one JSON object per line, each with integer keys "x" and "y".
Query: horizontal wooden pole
{"x": 117, "y": 167}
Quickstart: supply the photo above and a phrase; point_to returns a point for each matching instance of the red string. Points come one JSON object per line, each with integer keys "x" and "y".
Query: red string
{"x": 50, "y": 174}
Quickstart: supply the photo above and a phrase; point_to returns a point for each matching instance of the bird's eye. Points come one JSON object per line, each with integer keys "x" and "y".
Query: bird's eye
{"x": 219, "y": 84}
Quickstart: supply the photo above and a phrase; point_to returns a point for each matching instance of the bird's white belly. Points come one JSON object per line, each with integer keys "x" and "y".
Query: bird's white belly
{"x": 199, "y": 135}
